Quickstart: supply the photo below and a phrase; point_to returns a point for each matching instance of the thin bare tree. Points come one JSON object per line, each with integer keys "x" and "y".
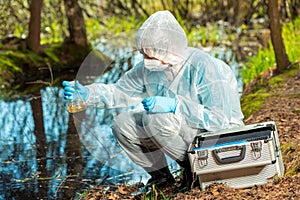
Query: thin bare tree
{"x": 276, "y": 38}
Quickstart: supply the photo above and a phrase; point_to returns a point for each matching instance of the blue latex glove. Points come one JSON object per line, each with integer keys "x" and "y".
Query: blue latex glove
{"x": 158, "y": 104}
{"x": 70, "y": 88}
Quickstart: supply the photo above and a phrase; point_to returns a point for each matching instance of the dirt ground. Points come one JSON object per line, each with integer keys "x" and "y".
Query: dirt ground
{"x": 283, "y": 107}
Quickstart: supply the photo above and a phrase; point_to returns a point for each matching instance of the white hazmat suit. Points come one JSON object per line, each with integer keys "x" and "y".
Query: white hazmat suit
{"x": 204, "y": 87}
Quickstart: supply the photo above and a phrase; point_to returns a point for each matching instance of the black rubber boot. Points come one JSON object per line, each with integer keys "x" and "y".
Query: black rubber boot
{"x": 189, "y": 180}
{"x": 160, "y": 178}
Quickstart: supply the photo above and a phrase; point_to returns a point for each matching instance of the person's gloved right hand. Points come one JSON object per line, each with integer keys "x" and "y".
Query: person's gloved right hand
{"x": 71, "y": 86}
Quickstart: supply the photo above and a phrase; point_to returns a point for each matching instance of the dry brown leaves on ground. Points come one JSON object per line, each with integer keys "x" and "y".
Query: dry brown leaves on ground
{"x": 285, "y": 188}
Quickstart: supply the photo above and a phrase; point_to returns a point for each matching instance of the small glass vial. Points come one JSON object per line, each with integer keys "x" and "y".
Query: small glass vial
{"x": 76, "y": 104}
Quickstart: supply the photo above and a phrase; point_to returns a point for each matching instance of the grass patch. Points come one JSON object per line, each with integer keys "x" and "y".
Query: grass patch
{"x": 16, "y": 58}
{"x": 253, "y": 103}
{"x": 20, "y": 68}
{"x": 265, "y": 58}
{"x": 156, "y": 193}
{"x": 276, "y": 82}
{"x": 15, "y": 63}
{"x": 295, "y": 95}
{"x": 289, "y": 153}
{"x": 296, "y": 111}
{"x": 51, "y": 52}
{"x": 115, "y": 26}
{"x": 263, "y": 88}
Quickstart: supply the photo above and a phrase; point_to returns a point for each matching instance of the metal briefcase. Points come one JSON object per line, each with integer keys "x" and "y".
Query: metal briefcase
{"x": 239, "y": 157}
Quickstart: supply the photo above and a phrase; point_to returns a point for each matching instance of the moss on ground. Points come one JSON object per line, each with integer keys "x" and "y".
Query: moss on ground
{"x": 254, "y": 101}
{"x": 290, "y": 155}
{"x": 15, "y": 65}
{"x": 24, "y": 72}
{"x": 274, "y": 87}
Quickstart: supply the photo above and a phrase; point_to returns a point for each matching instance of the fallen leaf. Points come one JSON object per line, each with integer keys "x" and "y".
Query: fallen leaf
{"x": 122, "y": 190}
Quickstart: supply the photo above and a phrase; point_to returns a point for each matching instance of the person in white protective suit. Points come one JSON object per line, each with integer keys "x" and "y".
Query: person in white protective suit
{"x": 183, "y": 90}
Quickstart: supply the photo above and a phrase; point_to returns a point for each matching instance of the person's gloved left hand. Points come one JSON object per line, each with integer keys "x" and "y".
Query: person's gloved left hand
{"x": 71, "y": 86}
{"x": 159, "y": 104}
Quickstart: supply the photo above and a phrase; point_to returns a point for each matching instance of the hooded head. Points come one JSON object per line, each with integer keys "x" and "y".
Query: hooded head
{"x": 161, "y": 37}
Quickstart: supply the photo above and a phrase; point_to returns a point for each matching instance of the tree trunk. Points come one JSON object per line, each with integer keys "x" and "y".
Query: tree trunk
{"x": 277, "y": 41}
{"x": 33, "y": 40}
{"x": 76, "y": 24}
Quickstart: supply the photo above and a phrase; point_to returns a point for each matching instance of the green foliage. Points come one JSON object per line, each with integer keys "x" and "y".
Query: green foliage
{"x": 253, "y": 102}
{"x": 209, "y": 35}
{"x": 276, "y": 82}
{"x": 83, "y": 195}
{"x": 7, "y": 62}
{"x": 16, "y": 15}
{"x": 51, "y": 52}
{"x": 17, "y": 62}
{"x": 291, "y": 36}
{"x": 116, "y": 25}
{"x": 14, "y": 64}
{"x": 93, "y": 28}
{"x": 197, "y": 35}
{"x": 112, "y": 27}
{"x": 19, "y": 67}
{"x": 20, "y": 31}
{"x": 265, "y": 58}
{"x": 156, "y": 193}
{"x": 14, "y": 59}
{"x": 52, "y": 33}
{"x": 297, "y": 112}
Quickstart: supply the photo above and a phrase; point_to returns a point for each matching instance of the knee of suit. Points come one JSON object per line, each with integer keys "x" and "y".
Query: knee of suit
{"x": 123, "y": 122}
{"x": 165, "y": 124}
{"x": 128, "y": 125}
{"x": 119, "y": 128}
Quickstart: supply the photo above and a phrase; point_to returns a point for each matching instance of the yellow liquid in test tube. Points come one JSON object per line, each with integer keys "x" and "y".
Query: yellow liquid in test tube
{"x": 74, "y": 107}
{"x": 76, "y": 104}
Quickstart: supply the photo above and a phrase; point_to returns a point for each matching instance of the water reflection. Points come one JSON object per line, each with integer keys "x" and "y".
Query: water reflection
{"x": 51, "y": 163}
{"x": 43, "y": 156}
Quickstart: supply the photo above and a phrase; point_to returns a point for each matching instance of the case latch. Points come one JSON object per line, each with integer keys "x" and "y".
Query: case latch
{"x": 256, "y": 149}
{"x": 202, "y": 157}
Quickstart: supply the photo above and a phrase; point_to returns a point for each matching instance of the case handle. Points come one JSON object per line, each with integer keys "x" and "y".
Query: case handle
{"x": 231, "y": 159}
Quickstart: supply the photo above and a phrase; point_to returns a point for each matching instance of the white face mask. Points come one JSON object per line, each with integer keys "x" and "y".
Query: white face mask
{"x": 172, "y": 59}
{"x": 155, "y": 65}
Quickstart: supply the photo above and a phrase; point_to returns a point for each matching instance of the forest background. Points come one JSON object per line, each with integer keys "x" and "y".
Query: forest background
{"x": 61, "y": 33}
{"x": 45, "y": 41}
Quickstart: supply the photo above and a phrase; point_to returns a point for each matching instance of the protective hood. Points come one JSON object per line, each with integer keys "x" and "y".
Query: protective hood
{"x": 162, "y": 37}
